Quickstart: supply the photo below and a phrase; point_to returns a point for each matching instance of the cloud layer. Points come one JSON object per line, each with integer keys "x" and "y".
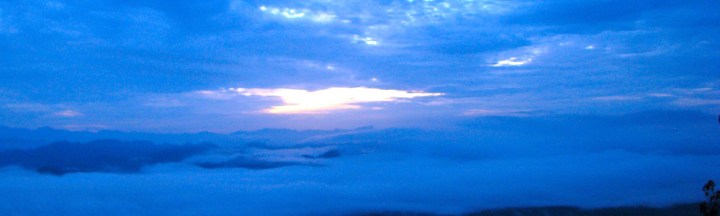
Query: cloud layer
{"x": 494, "y": 160}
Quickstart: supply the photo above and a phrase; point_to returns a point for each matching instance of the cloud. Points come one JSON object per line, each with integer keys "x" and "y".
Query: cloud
{"x": 366, "y": 40}
{"x": 513, "y": 61}
{"x": 660, "y": 95}
{"x": 299, "y": 101}
{"x": 456, "y": 38}
{"x": 50, "y": 109}
{"x": 402, "y": 13}
{"x": 299, "y": 14}
{"x": 522, "y": 56}
{"x": 99, "y": 156}
{"x": 405, "y": 24}
{"x": 544, "y": 156}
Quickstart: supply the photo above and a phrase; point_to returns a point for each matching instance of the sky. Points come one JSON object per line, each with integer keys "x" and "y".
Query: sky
{"x": 268, "y": 107}
{"x": 223, "y": 66}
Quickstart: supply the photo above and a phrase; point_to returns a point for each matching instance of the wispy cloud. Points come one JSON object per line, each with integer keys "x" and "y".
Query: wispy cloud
{"x": 521, "y": 56}
{"x": 660, "y": 95}
{"x": 58, "y": 110}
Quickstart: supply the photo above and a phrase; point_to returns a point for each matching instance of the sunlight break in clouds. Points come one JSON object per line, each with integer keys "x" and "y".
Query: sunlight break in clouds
{"x": 298, "y": 101}
{"x": 512, "y": 62}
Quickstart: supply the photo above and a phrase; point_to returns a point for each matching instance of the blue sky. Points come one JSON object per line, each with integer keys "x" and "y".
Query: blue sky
{"x": 154, "y": 66}
{"x": 440, "y": 106}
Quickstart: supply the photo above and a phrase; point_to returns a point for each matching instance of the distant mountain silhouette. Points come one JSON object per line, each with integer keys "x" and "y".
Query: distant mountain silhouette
{"x": 676, "y": 210}
{"x": 14, "y": 138}
{"x": 99, "y": 156}
{"x": 328, "y": 154}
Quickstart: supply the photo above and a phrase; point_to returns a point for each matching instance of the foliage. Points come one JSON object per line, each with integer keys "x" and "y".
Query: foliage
{"x": 710, "y": 206}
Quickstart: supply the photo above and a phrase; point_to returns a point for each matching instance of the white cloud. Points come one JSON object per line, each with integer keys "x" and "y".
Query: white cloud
{"x": 297, "y": 14}
{"x": 660, "y": 95}
{"x": 512, "y": 62}
{"x": 521, "y": 56}
{"x": 366, "y": 40}
{"x": 299, "y": 101}
{"x": 439, "y": 11}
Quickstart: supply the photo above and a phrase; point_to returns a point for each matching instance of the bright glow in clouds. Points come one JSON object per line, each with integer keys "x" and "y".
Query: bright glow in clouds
{"x": 298, "y": 101}
{"x": 512, "y": 62}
